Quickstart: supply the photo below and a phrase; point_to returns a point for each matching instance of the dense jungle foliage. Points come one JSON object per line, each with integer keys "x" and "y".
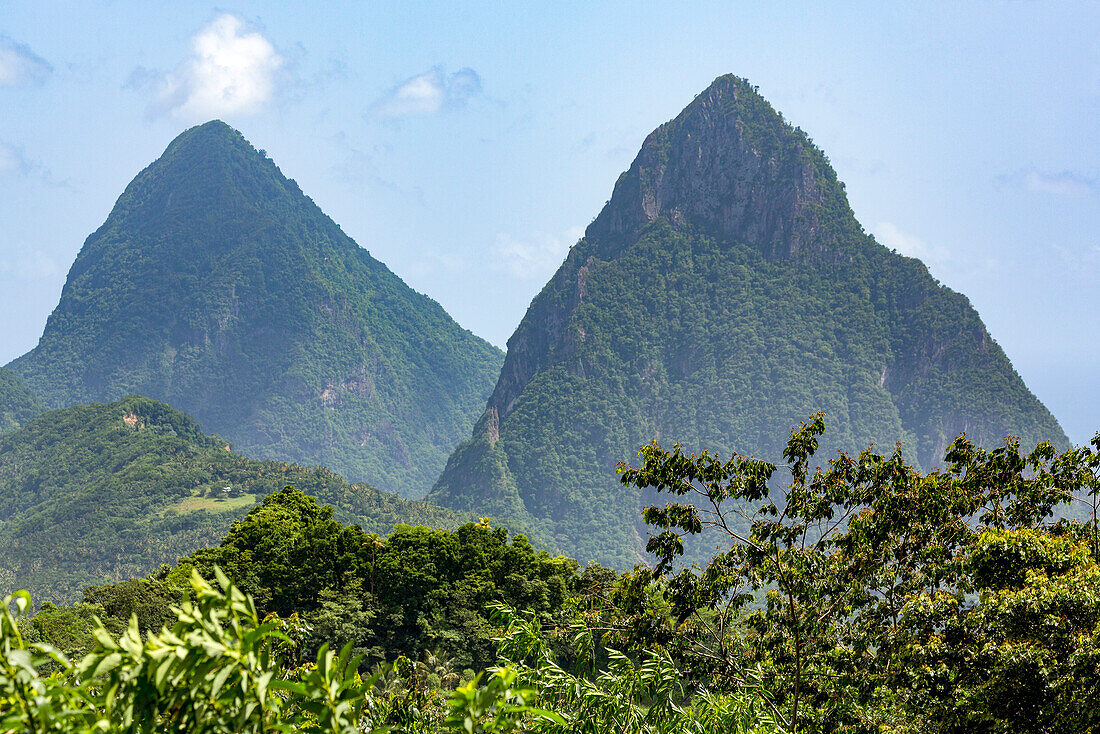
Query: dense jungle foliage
{"x": 871, "y": 597}
{"x": 104, "y": 492}
{"x": 725, "y": 292}
{"x": 420, "y": 592}
{"x": 865, "y": 596}
{"x": 217, "y": 286}
{"x": 220, "y": 669}
{"x": 17, "y": 404}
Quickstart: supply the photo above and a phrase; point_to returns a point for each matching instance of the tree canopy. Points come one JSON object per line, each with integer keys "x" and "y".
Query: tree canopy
{"x": 870, "y": 594}
{"x": 860, "y": 596}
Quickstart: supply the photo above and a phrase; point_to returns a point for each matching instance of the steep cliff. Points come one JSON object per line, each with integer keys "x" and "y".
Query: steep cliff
{"x": 724, "y": 293}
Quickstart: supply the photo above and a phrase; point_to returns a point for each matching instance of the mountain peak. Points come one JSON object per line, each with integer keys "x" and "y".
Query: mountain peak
{"x": 733, "y": 88}
{"x": 219, "y": 287}
{"x": 212, "y": 144}
{"x": 725, "y": 293}
{"x": 214, "y": 132}
{"x": 208, "y": 179}
{"x": 731, "y": 166}
{"x": 219, "y": 127}
{"x": 218, "y": 152}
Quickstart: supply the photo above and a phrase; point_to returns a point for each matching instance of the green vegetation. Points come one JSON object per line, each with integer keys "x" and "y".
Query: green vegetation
{"x": 17, "y": 404}
{"x": 102, "y": 492}
{"x": 865, "y": 596}
{"x": 217, "y": 286}
{"x": 216, "y": 670}
{"x": 871, "y": 597}
{"x": 220, "y": 669}
{"x": 419, "y": 592}
{"x": 725, "y": 292}
{"x": 419, "y": 595}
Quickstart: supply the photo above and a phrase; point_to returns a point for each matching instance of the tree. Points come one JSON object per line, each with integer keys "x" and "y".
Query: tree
{"x": 420, "y": 590}
{"x": 818, "y": 587}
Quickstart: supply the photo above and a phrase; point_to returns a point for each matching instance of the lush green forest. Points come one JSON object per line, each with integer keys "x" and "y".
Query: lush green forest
{"x": 944, "y": 580}
{"x": 17, "y": 404}
{"x": 725, "y": 292}
{"x": 104, "y": 492}
{"x": 217, "y": 286}
{"x": 864, "y": 596}
{"x": 420, "y": 592}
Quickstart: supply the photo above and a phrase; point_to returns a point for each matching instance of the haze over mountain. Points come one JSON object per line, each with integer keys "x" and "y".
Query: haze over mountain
{"x": 725, "y": 293}
{"x": 217, "y": 286}
{"x": 103, "y": 492}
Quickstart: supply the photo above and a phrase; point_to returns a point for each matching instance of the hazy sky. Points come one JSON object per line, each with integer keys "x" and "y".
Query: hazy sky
{"x": 468, "y": 148}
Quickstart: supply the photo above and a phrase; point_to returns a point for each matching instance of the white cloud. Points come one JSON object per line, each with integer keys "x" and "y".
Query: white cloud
{"x": 19, "y": 65}
{"x": 429, "y": 93}
{"x": 909, "y": 245}
{"x": 535, "y": 256}
{"x": 421, "y": 94}
{"x": 1065, "y": 183}
{"x": 232, "y": 70}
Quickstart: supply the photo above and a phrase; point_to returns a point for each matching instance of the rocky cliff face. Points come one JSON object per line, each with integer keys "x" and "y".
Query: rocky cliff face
{"x": 542, "y": 335}
{"x": 724, "y": 293}
{"x": 720, "y": 166}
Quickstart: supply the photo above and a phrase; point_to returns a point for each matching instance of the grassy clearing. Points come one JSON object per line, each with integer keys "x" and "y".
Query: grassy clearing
{"x": 214, "y": 504}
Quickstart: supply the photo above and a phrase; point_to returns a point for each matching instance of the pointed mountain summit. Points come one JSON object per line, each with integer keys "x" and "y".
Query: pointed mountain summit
{"x": 217, "y": 286}
{"x": 729, "y": 166}
{"x": 725, "y": 293}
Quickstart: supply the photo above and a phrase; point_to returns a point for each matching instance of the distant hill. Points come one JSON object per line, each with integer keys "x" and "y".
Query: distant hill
{"x": 725, "y": 293}
{"x": 97, "y": 493}
{"x": 17, "y": 404}
{"x": 217, "y": 286}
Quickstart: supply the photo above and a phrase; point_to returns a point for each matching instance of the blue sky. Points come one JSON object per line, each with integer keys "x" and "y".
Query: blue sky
{"x": 468, "y": 147}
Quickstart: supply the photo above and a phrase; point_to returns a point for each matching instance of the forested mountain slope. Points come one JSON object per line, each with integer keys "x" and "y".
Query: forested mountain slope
{"x": 217, "y": 286}
{"x": 725, "y": 293}
{"x": 103, "y": 492}
{"x": 17, "y": 404}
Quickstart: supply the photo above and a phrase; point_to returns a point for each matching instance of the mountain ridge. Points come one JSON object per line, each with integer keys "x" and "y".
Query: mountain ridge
{"x": 98, "y": 492}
